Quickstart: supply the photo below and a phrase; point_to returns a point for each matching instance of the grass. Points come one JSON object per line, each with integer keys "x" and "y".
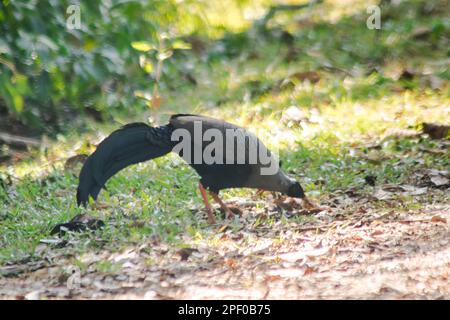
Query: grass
{"x": 345, "y": 112}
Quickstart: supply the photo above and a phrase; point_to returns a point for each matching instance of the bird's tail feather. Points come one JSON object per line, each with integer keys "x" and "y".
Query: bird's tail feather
{"x": 133, "y": 143}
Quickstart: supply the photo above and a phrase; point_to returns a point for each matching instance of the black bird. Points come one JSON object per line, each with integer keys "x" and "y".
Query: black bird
{"x": 139, "y": 142}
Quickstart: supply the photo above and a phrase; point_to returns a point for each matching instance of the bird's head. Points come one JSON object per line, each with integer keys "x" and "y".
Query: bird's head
{"x": 295, "y": 190}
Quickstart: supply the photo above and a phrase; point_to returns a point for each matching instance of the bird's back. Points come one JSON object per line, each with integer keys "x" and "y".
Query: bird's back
{"x": 231, "y": 173}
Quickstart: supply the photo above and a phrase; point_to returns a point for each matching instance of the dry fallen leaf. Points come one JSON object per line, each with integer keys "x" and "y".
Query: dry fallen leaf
{"x": 381, "y": 194}
{"x": 309, "y": 270}
{"x": 308, "y": 204}
{"x": 72, "y": 162}
{"x": 439, "y": 181}
{"x": 270, "y": 278}
{"x": 33, "y": 295}
{"x": 376, "y": 222}
{"x": 389, "y": 191}
{"x": 438, "y": 219}
{"x": 74, "y": 281}
{"x": 185, "y": 253}
{"x": 414, "y": 191}
{"x": 230, "y": 263}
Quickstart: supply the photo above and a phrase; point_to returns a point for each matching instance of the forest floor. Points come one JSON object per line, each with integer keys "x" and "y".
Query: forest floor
{"x": 349, "y": 115}
{"x": 375, "y": 254}
{"x": 374, "y": 241}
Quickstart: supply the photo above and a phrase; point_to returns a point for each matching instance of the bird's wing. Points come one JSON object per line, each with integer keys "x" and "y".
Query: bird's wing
{"x": 261, "y": 166}
{"x": 244, "y": 144}
{"x": 187, "y": 122}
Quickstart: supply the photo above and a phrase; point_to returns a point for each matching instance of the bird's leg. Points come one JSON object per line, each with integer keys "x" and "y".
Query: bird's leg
{"x": 228, "y": 213}
{"x": 209, "y": 209}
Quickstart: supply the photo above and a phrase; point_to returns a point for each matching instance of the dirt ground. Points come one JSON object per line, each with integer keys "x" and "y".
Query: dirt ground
{"x": 366, "y": 255}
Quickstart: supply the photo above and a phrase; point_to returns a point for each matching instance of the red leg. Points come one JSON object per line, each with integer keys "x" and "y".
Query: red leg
{"x": 228, "y": 213}
{"x": 208, "y": 207}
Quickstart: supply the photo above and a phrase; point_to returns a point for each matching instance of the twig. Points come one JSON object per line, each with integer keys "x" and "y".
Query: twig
{"x": 9, "y": 64}
{"x": 323, "y": 226}
{"x": 411, "y": 221}
{"x": 18, "y": 140}
{"x": 333, "y": 68}
{"x": 285, "y": 7}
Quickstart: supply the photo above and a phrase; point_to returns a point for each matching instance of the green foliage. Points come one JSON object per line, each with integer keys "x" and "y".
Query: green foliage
{"x": 49, "y": 72}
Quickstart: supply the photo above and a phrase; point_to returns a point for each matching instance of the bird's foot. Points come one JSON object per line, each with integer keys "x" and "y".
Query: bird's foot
{"x": 211, "y": 218}
{"x": 229, "y": 214}
{"x": 231, "y": 211}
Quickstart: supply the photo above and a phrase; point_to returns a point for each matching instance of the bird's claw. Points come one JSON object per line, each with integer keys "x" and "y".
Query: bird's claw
{"x": 211, "y": 220}
{"x": 229, "y": 214}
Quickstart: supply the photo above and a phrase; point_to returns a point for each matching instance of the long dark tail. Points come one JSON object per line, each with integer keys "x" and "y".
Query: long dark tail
{"x": 133, "y": 143}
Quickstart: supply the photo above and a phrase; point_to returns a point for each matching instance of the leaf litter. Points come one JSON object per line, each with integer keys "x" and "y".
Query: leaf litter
{"x": 369, "y": 254}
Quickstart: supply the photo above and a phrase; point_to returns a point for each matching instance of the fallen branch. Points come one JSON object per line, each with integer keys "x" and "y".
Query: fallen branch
{"x": 285, "y": 7}
{"x": 19, "y": 141}
{"x": 14, "y": 270}
{"x": 322, "y": 227}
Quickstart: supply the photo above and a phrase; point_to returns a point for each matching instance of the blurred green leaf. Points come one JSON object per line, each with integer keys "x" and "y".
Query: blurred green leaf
{"x": 20, "y": 82}
{"x": 142, "y": 46}
{"x": 178, "y": 44}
